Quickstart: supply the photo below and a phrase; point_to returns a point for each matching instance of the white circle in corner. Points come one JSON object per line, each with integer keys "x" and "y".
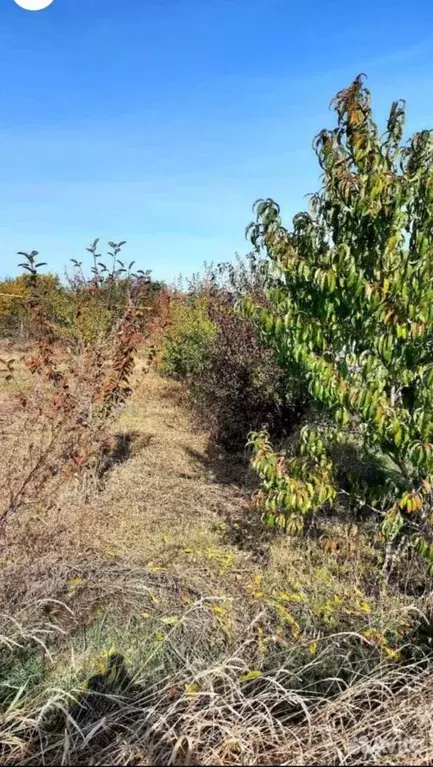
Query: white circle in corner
{"x": 34, "y": 5}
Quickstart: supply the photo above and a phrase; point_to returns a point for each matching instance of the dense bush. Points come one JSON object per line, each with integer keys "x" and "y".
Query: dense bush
{"x": 14, "y": 296}
{"x": 242, "y": 387}
{"x": 189, "y": 338}
{"x": 234, "y": 380}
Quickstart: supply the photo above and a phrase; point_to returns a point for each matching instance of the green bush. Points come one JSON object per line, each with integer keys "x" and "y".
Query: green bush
{"x": 350, "y": 312}
{"x": 14, "y": 296}
{"x": 189, "y": 339}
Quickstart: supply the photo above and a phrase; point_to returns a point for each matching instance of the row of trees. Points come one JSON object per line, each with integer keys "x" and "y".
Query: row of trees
{"x": 79, "y": 306}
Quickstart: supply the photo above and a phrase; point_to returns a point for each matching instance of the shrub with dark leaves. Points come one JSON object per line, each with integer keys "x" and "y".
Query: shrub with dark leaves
{"x": 242, "y": 387}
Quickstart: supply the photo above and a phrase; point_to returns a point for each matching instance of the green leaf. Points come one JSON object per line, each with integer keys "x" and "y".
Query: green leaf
{"x": 249, "y": 675}
{"x": 170, "y": 620}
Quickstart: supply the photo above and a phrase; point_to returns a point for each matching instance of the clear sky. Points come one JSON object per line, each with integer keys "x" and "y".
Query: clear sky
{"x": 161, "y": 121}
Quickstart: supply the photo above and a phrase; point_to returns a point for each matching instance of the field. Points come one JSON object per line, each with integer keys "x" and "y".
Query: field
{"x": 216, "y": 499}
{"x": 148, "y": 563}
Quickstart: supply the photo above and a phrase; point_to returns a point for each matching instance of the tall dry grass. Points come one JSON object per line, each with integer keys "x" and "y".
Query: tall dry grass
{"x": 217, "y": 712}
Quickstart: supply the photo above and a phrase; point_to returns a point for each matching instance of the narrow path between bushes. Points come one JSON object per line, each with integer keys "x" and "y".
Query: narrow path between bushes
{"x": 153, "y": 562}
{"x": 168, "y": 495}
{"x": 161, "y": 502}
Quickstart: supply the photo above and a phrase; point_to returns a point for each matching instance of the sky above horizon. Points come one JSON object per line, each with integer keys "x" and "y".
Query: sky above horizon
{"x": 159, "y": 122}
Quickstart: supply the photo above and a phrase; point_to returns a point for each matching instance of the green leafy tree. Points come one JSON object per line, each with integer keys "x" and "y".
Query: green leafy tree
{"x": 350, "y": 307}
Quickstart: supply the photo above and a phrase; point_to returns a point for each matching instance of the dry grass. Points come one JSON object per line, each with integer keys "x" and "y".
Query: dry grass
{"x": 159, "y": 558}
{"x": 217, "y": 715}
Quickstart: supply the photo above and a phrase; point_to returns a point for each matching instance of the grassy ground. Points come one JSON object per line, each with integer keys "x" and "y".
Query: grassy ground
{"x": 148, "y": 618}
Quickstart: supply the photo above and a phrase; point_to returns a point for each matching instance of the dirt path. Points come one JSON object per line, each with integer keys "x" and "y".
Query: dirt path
{"x": 167, "y": 495}
{"x": 162, "y": 504}
{"x": 145, "y": 564}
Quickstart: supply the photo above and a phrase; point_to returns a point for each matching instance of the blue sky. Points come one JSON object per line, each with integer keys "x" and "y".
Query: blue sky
{"x": 161, "y": 121}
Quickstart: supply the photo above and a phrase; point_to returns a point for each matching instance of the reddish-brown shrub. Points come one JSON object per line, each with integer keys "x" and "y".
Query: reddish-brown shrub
{"x": 57, "y": 427}
{"x": 235, "y": 382}
{"x": 242, "y": 387}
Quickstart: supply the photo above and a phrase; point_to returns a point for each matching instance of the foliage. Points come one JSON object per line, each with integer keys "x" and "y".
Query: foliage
{"x": 292, "y": 487}
{"x": 242, "y": 277}
{"x": 350, "y": 297}
{"x": 79, "y": 309}
{"x": 242, "y": 387}
{"x": 73, "y": 394}
{"x": 14, "y": 293}
{"x": 234, "y": 381}
{"x": 188, "y": 338}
